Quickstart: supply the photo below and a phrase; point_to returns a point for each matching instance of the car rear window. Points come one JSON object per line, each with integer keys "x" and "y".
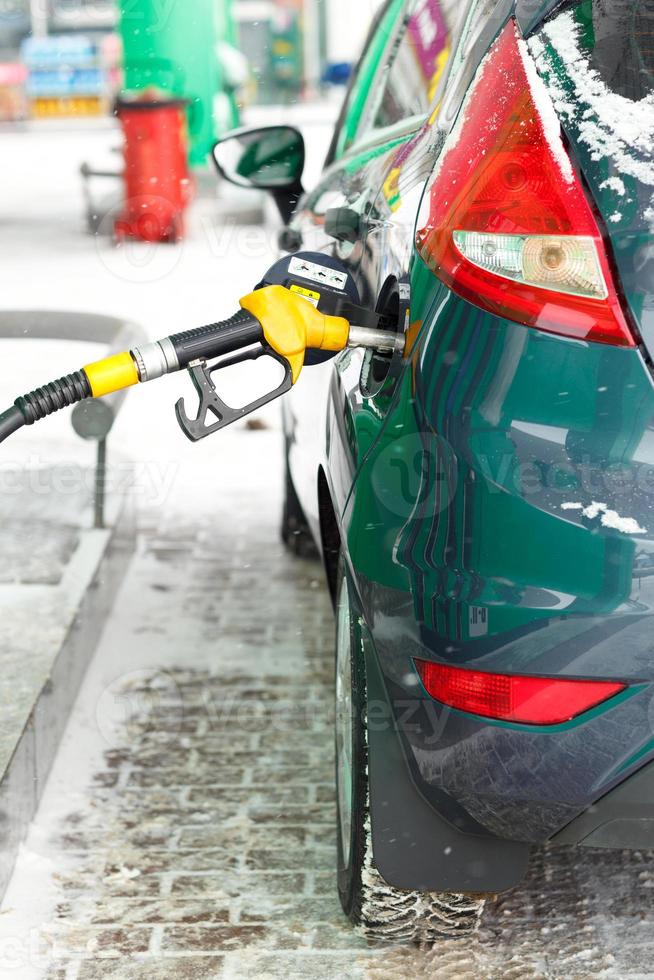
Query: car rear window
{"x": 595, "y": 58}
{"x": 619, "y": 36}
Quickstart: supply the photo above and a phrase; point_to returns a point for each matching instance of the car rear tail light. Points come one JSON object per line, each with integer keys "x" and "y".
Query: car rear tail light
{"x": 505, "y": 221}
{"x": 508, "y": 697}
{"x": 563, "y": 263}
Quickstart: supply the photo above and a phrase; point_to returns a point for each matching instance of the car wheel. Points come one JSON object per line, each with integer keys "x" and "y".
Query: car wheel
{"x": 382, "y": 912}
{"x": 295, "y": 530}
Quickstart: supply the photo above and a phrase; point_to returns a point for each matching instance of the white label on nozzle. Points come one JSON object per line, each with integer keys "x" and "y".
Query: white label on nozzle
{"x": 318, "y": 273}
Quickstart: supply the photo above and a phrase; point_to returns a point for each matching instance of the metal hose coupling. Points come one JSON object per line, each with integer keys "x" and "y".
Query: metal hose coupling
{"x": 155, "y": 360}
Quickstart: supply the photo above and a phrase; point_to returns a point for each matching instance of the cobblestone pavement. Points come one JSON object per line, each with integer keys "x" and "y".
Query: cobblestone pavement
{"x": 194, "y": 835}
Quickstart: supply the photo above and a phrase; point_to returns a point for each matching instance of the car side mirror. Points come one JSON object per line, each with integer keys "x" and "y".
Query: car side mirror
{"x": 269, "y": 158}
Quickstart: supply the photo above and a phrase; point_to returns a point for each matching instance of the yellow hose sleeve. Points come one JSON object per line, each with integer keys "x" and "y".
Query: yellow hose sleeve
{"x": 112, "y": 374}
{"x": 291, "y": 324}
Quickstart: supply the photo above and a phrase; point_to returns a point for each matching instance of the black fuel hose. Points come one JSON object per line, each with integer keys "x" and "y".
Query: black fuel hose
{"x": 10, "y": 421}
{"x": 41, "y": 402}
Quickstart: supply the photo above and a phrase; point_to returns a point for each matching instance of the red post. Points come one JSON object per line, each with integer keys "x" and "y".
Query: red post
{"x": 157, "y": 181}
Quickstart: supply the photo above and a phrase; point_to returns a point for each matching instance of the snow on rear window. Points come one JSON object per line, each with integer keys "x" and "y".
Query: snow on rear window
{"x": 610, "y": 124}
{"x": 547, "y": 112}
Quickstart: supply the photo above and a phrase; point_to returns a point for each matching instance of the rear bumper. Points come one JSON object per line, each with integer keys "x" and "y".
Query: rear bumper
{"x": 510, "y": 781}
{"x": 456, "y": 802}
{"x": 452, "y": 817}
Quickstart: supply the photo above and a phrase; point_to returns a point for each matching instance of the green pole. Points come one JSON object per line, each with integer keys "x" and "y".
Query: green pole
{"x": 226, "y": 23}
{"x": 172, "y": 45}
{"x": 226, "y": 26}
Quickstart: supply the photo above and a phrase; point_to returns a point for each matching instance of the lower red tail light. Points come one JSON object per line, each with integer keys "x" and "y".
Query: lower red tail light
{"x": 505, "y": 221}
{"x": 508, "y": 697}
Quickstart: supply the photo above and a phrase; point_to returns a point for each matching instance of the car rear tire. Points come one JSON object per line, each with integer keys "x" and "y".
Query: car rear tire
{"x": 381, "y": 912}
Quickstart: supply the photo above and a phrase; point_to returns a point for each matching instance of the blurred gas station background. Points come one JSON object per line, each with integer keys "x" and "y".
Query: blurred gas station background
{"x": 76, "y": 75}
{"x": 110, "y": 202}
{"x": 69, "y": 58}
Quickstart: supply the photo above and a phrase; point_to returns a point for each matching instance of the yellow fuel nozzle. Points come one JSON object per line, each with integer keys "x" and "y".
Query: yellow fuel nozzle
{"x": 292, "y": 324}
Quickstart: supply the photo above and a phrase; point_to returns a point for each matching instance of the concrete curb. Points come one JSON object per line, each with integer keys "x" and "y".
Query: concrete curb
{"x": 97, "y": 569}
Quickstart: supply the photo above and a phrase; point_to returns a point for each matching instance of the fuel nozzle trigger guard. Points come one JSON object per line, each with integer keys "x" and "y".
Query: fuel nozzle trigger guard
{"x": 211, "y": 404}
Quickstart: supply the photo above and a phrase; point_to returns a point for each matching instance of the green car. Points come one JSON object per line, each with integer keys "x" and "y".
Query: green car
{"x": 484, "y": 503}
